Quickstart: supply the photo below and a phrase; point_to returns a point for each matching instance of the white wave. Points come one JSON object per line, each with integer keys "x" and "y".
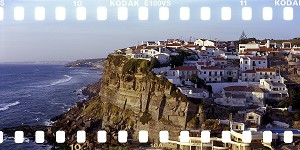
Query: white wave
{"x": 6, "y": 106}
{"x": 48, "y": 123}
{"x": 66, "y": 79}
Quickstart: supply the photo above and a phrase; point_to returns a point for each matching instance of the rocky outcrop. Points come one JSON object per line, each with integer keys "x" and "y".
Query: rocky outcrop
{"x": 131, "y": 98}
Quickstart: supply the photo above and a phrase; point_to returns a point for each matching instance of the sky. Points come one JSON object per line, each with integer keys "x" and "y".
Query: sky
{"x": 68, "y": 40}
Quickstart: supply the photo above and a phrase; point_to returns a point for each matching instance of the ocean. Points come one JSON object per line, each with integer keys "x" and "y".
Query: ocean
{"x": 31, "y": 94}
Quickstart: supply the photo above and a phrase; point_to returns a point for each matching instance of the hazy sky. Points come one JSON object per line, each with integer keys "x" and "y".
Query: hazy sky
{"x": 48, "y": 40}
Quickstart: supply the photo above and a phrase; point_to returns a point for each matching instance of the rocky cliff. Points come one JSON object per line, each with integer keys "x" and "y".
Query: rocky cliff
{"x": 131, "y": 98}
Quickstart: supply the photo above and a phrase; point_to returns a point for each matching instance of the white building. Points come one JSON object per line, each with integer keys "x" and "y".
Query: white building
{"x": 162, "y": 58}
{"x": 231, "y": 74}
{"x": 251, "y": 63}
{"x": 241, "y": 96}
{"x": 219, "y": 61}
{"x": 183, "y": 71}
{"x": 257, "y": 74}
{"x": 204, "y": 42}
{"x": 275, "y": 88}
{"x": 194, "y": 92}
{"x": 149, "y": 52}
{"x": 254, "y": 118}
{"x": 211, "y": 74}
{"x": 265, "y": 73}
{"x": 295, "y": 50}
{"x": 242, "y": 47}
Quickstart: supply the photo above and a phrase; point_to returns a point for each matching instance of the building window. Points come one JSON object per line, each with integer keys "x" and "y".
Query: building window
{"x": 209, "y": 73}
{"x": 215, "y": 73}
{"x": 221, "y": 73}
{"x": 245, "y": 62}
{"x": 258, "y": 62}
{"x": 204, "y": 72}
{"x": 245, "y": 68}
{"x": 270, "y": 73}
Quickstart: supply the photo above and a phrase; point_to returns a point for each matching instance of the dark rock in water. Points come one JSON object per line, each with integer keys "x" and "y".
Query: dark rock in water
{"x": 92, "y": 89}
{"x": 56, "y": 117}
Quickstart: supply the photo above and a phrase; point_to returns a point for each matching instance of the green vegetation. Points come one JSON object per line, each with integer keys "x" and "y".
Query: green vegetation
{"x": 117, "y": 60}
{"x": 95, "y": 109}
{"x": 179, "y": 59}
{"x": 293, "y": 99}
{"x": 145, "y": 118}
{"x": 194, "y": 122}
{"x": 139, "y": 65}
{"x": 166, "y": 121}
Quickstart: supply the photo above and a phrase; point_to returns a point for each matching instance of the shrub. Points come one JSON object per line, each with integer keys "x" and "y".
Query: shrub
{"x": 145, "y": 118}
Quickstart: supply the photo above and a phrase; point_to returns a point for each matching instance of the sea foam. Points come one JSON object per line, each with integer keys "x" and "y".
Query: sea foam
{"x": 5, "y": 106}
{"x": 66, "y": 79}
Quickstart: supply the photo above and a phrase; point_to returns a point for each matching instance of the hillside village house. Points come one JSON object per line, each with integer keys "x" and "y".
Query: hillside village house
{"x": 257, "y": 74}
{"x": 219, "y": 61}
{"x": 253, "y": 118}
{"x": 183, "y": 72}
{"x": 274, "y": 88}
{"x": 211, "y": 74}
{"x": 241, "y": 96}
{"x": 162, "y": 58}
{"x": 213, "y": 51}
{"x": 204, "y": 42}
{"x": 213, "y": 63}
{"x": 194, "y": 92}
{"x": 242, "y": 47}
{"x": 295, "y": 50}
{"x": 231, "y": 74}
{"x": 251, "y": 63}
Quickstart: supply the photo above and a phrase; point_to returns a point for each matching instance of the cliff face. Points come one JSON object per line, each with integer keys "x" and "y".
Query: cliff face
{"x": 132, "y": 99}
{"x": 146, "y": 96}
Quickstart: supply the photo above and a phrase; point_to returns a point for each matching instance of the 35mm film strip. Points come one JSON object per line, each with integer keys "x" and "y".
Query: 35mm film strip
{"x": 184, "y": 137}
{"x": 161, "y": 11}
{"x": 203, "y": 10}
{"x": 204, "y": 13}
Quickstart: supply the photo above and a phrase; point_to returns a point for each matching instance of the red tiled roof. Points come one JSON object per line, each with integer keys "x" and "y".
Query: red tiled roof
{"x": 174, "y": 44}
{"x": 218, "y": 58}
{"x": 190, "y": 46}
{"x": 265, "y": 70}
{"x": 296, "y": 49}
{"x": 246, "y": 53}
{"x": 210, "y": 46}
{"x": 185, "y": 68}
{"x": 211, "y": 68}
{"x": 251, "y": 49}
{"x": 203, "y": 63}
{"x": 243, "y": 88}
{"x": 249, "y": 71}
{"x": 265, "y": 49}
{"x": 285, "y": 49}
{"x": 258, "y": 58}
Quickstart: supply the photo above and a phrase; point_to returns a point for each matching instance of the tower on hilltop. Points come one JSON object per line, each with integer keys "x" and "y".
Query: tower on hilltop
{"x": 243, "y": 38}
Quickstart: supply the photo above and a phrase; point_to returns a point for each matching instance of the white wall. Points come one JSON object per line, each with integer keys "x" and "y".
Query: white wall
{"x": 218, "y": 87}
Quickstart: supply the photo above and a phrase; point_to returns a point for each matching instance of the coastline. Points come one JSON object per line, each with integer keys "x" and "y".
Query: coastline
{"x": 29, "y": 130}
